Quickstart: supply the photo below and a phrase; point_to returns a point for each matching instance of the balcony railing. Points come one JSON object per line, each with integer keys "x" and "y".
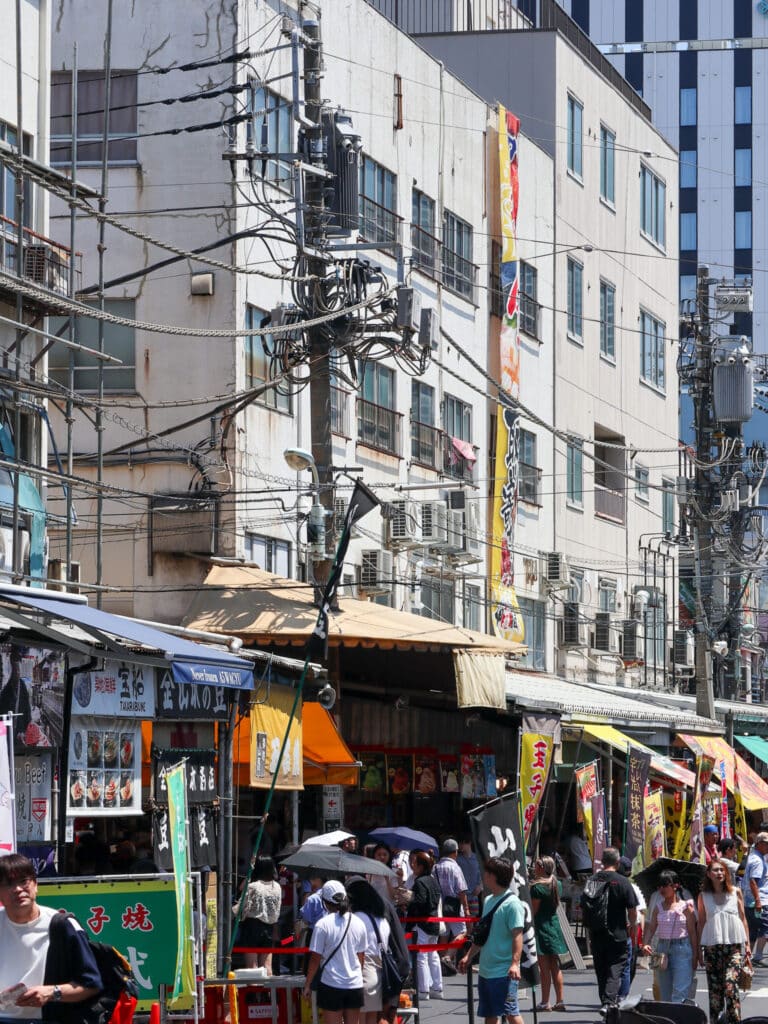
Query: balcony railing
{"x": 459, "y": 274}
{"x": 425, "y": 249}
{"x": 45, "y": 263}
{"x": 378, "y": 223}
{"x": 425, "y": 444}
{"x": 454, "y": 464}
{"x": 340, "y": 412}
{"x": 379, "y": 428}
{"x": 609, "y": 504}
{"x": 529, "y": 483}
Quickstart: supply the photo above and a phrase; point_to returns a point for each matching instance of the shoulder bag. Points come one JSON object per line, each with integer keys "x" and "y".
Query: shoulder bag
{"x": 391, "y": 980}
{"x": 319, "y": 972}
{"x": 482, "y": 929}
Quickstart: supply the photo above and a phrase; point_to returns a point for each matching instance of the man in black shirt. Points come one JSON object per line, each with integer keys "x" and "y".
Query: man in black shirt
{"x": 608, "y": 933}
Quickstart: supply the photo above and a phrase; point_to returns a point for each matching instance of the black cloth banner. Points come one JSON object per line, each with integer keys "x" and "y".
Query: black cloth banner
{"x": 497, "y": 832}
{"x": 201, "y": 774}
{"x": 202, "y": 839}
{"x": 189, "y": 701}
{"x": 361, "y": 503}
{"x": 638, "y": 765}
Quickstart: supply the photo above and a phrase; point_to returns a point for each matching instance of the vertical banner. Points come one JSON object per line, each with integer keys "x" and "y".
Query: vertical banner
{"x": 497, "y": 832}
{"x": 7, "y": 795}
{"x": 538, "y": 738}
{"x": 704, "y": 767}
{"x": 506, "y": 617}
{"x": 655, "y": 833}
{"x": 269, "y": 723}
{"x": 599, "y": 826}
{"x": 638, "y": 764}
{"x": 739, "y": 817}
{"x": 587, "y": 781}
{"x": 725, "y": 825}
{"x": 675, "y": 810}
{"x": 183, "y": 981}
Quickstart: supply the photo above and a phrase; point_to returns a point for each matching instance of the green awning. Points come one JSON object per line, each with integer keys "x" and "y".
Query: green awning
{"x": 756, "y": 745}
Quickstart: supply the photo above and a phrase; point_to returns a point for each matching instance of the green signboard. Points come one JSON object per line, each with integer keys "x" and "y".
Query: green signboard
{"x": 137, "y": 917}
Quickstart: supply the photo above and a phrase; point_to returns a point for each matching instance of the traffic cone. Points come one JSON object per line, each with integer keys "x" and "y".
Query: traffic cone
{"x": 154, "y": 1013}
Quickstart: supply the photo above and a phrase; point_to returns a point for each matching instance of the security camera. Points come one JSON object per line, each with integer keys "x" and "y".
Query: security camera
{"x": 720, "y": 648}
{"x": 326, "y": 698}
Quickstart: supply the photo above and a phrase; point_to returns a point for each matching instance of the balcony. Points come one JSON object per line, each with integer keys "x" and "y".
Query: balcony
{"x": 456, "y": 465}
{"x": 340, "y": 412}
{"x": 425, "y": 444}
{"x": 424, "y": 250}
{"x": 379, "y": 428}
{"x": 529, "y": 483}
{"x": 609, "y": 504}
{"x": 379, "y": 224}
{"x": 45, "y": 264}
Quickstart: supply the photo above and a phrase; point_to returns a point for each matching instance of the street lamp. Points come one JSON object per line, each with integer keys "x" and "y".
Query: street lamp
{"x": 300, "y": 459}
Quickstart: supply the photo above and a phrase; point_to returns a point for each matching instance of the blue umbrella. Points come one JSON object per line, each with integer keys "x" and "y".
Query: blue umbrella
{"x": 404, "y": 839}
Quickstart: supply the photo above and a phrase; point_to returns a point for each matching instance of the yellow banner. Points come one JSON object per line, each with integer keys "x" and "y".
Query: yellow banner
{"x": 675, "y": 810}
{"x": 268, "y": 725}
{"x": 535, "y": 761}
{"x": 655, "y": 844}
{"x": 739, "y": 817}
{"x": 586, "y": 787}
{"x": 704, "y": 767}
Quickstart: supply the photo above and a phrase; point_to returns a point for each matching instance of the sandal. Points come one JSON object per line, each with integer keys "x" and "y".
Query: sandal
{"x": 560, "y": 1007}
{"x": 543, "y": 1008}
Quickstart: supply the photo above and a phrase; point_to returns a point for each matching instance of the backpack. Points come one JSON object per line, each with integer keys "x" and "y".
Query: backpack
{"x": 594, "y": 904}
{"x": 119, "y": 989}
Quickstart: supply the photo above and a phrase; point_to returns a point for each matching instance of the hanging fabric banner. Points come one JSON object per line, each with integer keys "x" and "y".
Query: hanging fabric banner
{"x": 725, "y": 825}
{"x": 655, "y": 845}
{"x": 269, "y": 722}
{"x": 675, "y": 810}
{"x": 538, "y": 738}
{"x": 7, "y": 799}
{"x": 598, "y": 828}
{"x": 175, "y": 780}
{"x": 638, "y": 765}
{"x": 739, "y": 816}
{"x": 509, "y": 187}
{"x": 704, "y": 767}
{"x": 587, "y": 781}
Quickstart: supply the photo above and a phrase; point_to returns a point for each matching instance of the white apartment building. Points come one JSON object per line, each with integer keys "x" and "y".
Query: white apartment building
{"x": 220, "y": 486}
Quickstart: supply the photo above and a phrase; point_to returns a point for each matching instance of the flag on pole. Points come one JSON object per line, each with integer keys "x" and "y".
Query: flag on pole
{"x": 739, "y": 817}
{"x": 599, "y": 829}
{"x": 704, "y": 768}
{"x": 655, "y": 844}
{"x": 725, "y": 825}
{"x": 638, "y": 765}
{"x": 540, "y": 734}
{"x": 587, "y": 784}
{"x": 184, "y": 974}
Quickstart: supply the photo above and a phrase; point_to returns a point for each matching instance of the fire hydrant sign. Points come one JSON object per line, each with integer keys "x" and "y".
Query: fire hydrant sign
{"x": 32, "y": 778}
{"x": 136, "y": 917}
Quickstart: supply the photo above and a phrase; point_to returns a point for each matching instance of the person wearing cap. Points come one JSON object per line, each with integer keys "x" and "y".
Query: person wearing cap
{"x": 337, "y": 951}
{"x": 711, "y": 834}
{"x": 453, "y": 887}
{"x": 754, "y": 887}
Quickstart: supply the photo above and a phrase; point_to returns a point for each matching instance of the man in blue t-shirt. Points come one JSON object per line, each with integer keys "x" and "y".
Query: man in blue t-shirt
{"x": 500, "y": 956}
{"x": 755, "y": 888}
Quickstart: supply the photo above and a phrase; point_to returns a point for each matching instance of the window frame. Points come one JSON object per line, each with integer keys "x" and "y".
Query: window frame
{"x": 692, "y": 165}
{"x": 458, "y": 234}
{"x": 253, "y": 349}
{"x": 657, "y": 354}
{"x": 380, "y": 228}
{"x": 744, "y": 181}
{"x": 529, "y": 469}
{"x": 127, "y": 137}
{"x": 653, "y": 213}
{"x": 534, "y": 616}
{"x": 686, "y": 93}
{"x": 273, "y": 546}
{"x": 607, "y": 326}
{"x": 279, "y": 133}
{"x": 121, "y": 307}
{"x": 421, "y": 257}
{"x": 608, "y": 166}
{"x": 459, "y": 413}
{"x": 741, "y": 91}
{"x": 642, "y": 477}
{"x": 574, "y": 472}
{"x": 575, "y": 138}
{"x": 473, "y": 607}
{"x": 668, "y": 505}
{"x": 575, "y": 317}
{"x": 688, "y": 225}
{"x": 745, "y": 216}
{"x": 528, "y": 303}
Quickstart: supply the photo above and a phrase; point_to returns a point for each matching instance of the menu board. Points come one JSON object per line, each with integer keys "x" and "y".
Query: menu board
{"x": 119, "y": 690}
{"x": 104, "y": 767}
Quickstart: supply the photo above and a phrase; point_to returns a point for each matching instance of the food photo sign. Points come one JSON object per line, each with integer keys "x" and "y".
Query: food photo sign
{"x": 104, "y": 766}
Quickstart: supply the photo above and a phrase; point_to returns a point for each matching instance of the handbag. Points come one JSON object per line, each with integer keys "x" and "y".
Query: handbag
{"x": 658, "y": 961}
{"x": 319, "y": 972}
{"x": 391, "y": 980}
{"x": 482, "y": 929}
{"x": 746, "y": 972}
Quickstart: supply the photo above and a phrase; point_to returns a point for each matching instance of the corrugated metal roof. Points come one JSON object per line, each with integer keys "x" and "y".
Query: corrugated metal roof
{"x": 539, "y": 690}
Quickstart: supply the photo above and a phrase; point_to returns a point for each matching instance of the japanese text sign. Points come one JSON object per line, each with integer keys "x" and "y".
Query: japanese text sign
{"x": 268, "y": 725}
{"x": 33, "y": 775}
{"x": 187, "y": 701}
{"x": 119, "y": 690}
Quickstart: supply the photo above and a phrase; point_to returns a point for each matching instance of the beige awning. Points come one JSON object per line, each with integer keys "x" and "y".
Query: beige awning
{"x": 264, "y": 609}
{"x": 480, "y": 679}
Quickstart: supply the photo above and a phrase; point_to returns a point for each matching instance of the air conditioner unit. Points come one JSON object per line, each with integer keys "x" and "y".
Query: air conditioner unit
{"x": 555, "y": 570}
{"x": 606, "y": 638}
{"x": 473, "y": 533}
{"x": 630, "y": 640}
{"x": 572, "y": 632}
{"x": 376, "y": 571}
{"x": 47, "y": 266}
{"x": 682, "y": 649}
{"x": 455, "y": 543}
{"x": 434, "y": 524}
{"x": 57, "y": 575}
{"x": 403, "y": 527}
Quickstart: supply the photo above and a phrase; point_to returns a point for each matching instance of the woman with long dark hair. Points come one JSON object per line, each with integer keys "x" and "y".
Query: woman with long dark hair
{"x": 675, "y": 922}
{"x": 424, "y": 903}
{"x": 337, "y": 951}
{"x": 546, "y": 893}
{"x": 261, "y": 909}
{"x": 723, "y": 939}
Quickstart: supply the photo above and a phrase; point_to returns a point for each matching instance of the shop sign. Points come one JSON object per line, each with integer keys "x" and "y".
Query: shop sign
{"x": 333, "y": 808}
{"x": 268, "y": 725}
{"x": 32, "y": 774}
{"x": 119, "y": 690}
{"x": 638, "y": 765}
{"x": 104, "y": 767}
{"x": 137, "y": 917}
{"x": 187, "y": 701}
{"x": 200, "y": 774}
{"x": 33, "y": 693}
{"x": 202, "y": 838}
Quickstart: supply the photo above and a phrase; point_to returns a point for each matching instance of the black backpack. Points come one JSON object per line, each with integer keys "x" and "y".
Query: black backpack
{"x": 117, "y": 978}
{"x": 594, "y": 904}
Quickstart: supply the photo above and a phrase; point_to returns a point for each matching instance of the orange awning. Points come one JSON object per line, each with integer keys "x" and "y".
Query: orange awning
{"x": 754, "y": 792}
{"x": 327, "y": 758}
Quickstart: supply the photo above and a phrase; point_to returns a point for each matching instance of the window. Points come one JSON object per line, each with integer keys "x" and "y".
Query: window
{"x": 575, "y": 591}
{"x": 742, "y": 229}
{"x": 575, "y": 282}
{"x": 378, "y": 202}
{"x": 378, "y": 424}
{"x": 529, "y": 307}
{"x": 574, "y": 472}
{"x": 8, "y": 207}
{"x": 687, "y": 291}
{"x": 497, "y": 298}
{"x": 534, "y": 615}
{"x": 458, "y": 418}
{"x": 119, "y": 341}
{"x": 687, "y": 230}
{"x": 688, "y": 159}
{"x": 653, "y": 193}
{"x": 742, "y": 104}
{"x": 423, "y": 241}
{"x": 607, "y": 165}
{"x": 606, "y": 594}
{"x": 437, "y": 599}
{"x": 458, "y": 269}
{"x": 529, "y": 474}
{"x": 90, "y": 117}
{"x": 607, "y": 320}
{"x": 687, "y": 107}
{"x": 473, "y": 611}
{"x": 269, "y": 554}
{"x": 641, "y": 483}
{"x": 654, "y": 627}
{"x": 668, "y": 502}
{"x": 277, "y": 113}
{"x": 259, "y": 355}
{"x": 575, "y": 117}
{"x": 652, "y": 355}
{"x": 424, "y": 435}
{"x": 742, "y": 168}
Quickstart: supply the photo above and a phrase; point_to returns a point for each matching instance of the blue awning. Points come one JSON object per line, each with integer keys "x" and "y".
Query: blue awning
{"x": 189, "y": 662}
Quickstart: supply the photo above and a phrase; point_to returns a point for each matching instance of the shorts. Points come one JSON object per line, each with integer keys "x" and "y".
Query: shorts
{"x": 333, "y": 999}
{"x": 255, "y": 933}
{"x": 758, "y": 923}
{"x": 497, "y": 996}
{"x": 373, "y": 998}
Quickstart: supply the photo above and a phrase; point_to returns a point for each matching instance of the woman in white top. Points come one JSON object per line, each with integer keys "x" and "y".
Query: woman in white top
{"x": 261, "y": 909}
{"x": 723, "y": 942}
{"x": 368, "y": 906}
{"x": 337, "y": 950}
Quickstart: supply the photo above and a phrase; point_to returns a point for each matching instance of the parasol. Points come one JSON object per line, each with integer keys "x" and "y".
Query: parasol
{"x": 691, "y": 875}
{"x": 330, "y": 861}
{"x": 404, "y": 839}
{"x": 328, "y": 838}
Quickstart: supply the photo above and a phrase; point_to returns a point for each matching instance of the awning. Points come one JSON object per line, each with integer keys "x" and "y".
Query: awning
{"x": 756, "y": 745}
{"x": 265, "y": 609}
{"x": 660, "y": 765}
{"x": 754, "y": 792}
{"x": 327, "y": 758}
{"x": 189, "y": 662}
{"x": 480, "y": 679}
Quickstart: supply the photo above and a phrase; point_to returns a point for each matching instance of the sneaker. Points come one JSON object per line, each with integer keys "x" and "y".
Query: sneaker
{"x": 603, "y": 1011}
{"x": 435, "y": 993}
{"x": 423, "y": 996}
